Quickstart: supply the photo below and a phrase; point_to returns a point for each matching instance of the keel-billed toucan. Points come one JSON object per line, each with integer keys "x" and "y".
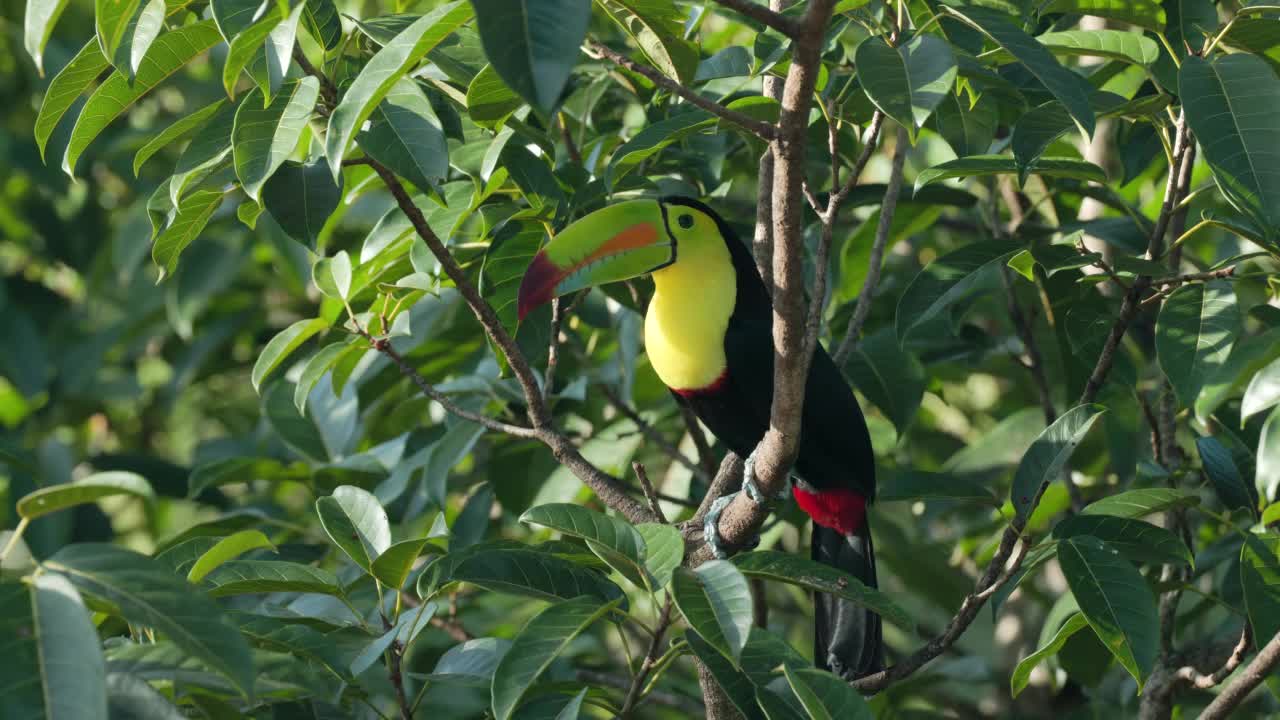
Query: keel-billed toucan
{"x": 708, "y": 335}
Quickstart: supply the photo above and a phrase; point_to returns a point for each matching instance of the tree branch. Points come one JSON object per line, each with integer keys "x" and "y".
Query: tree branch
{"x": 655, "y": 646}
{"x": 649, "y": 493}
{"x": 1236, "y": 691}
{"x": 762, "y": 15}
{"x": 1202, "y": 681}
{"x": 763, "y": 129}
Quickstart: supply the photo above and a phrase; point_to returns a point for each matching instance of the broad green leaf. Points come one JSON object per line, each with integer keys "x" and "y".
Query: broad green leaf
{"x": 192, "y": 216}
{"x": 382, "y": 71}
{"x": 204, "y": 155}
{"x": 1197, "y": 325}
{"x": 112, "y": 21}
{"x": 320, "y": 17}
{"x": 531, "y": 174}
{"x": 1022, "y": 673}
{"x": 227, "y": 549}
{"x": 332, "y": 649}
{"x": 538, "y": 643}
{"x": 909, "y": 81}
{"x": 356, "y": 522}
{"x": 891, "y": 378}
{"x": 1040, "y": 126}
{"x": 405, "y": 135}
{"x": 1222, "y": 472}
{"x": 265, "y": 137}
{"x": 1141, "y": 502}
{"x": 278, "y": 349}
{"x": 825, "y": 696}
{"x": 1111, "y": 44}
{"x": 1263, "y": 391}
{"x": 129, "y": 696}
{"x": 918, "y": 485}
{"x": 316, "y": 367}
{"x": 1070, "y": 89}
{"x": 1115, "y": 599}
{"x": 946, "y": 280}
{"x": 37, "y": 25}
{"x": 240, "y": 470}
{"x": 716, "y": 600}
{"x": 53, "y": 666}
{"x": 664, "y": 551}
{"x": 533, "y": 44}
{"x": 117, "y": 93}
{"x": 1231, "y": 105}
{"x": 1147, "y": 14}
{"x": 384, "y": 28}
{"x": 735, "y": 683}
{"x": 733, "y": 61}
{"x": 301, "y": 197}
{"x": 1267, "y": 472}
{"x": 505, "y": 262}
{"x": 1260, "y": 579}
{"x": 1137, "y": 540}
{"x": 657, "y": 27}
{"x": 489, "y": 100}
{"x": 1248, "y": 357}
{"x": 799, "y": 570}
{"x": 86, "y": 490}
{"x": 272, "y": 64}
{"x": 140, "y": 33}
{"x": 984, "y": 165}
{"x": 146, "y": 593}
{"x": 246, "y": 45}
{"x": 969, "y": 131}
{"x": 393, "y": 566}
{"x": 655, "y": 137}
{"x": 179, "y": 130}
{"x": 66, "y": 87}
{"x": 532, "y": 573}
{"x": 1045, "y": 460}
{"x": 614, "y": 540}
{"x": 241, "y": 577}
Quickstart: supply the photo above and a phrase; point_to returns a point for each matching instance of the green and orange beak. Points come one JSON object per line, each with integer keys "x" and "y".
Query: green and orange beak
{"x": 619, "y": 242}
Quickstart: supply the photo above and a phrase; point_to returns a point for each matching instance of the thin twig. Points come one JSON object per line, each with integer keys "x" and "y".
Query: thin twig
{"x": 1196, "y": 277}
{"x": 1253, "y": 675}
{"x": 649, "y": 492}
{"x": 655, "y": 644}
{"x": 1202, "y": 681}
{"x": 553, "y": 350}
{"x": 762, "y": 15}
{"x": 650, "y": 432}
{"x": 680, "y": 702}
{"x": 765, "y": 130}
{"x": 705, "y": 460}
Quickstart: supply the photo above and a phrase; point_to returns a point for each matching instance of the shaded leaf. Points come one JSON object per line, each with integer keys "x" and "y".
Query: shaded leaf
{"x": 1022, "y": 672}
{"x": 405, "y": 135}
{"x": 301, "y": 197}
{"x": 1224, "y": 475}
{"x": 264, "y": 137}
{"x": 66, "y": 87}
{"x": 908, "y": 81}
{"x": 1260, "y": 579}
{"x": 734, "y": 682}
{"x": 891, "y": 378}
{"x": 716, "y": 600}
{"x": 356, "y": 522}
{"x": 531, "y": 573}
{"x": 227, "y": 549}
{"x": 1137, "y": 540}
{"x": 812, "y": 575}
{"x": 1045, "y": 460}
{"x": 240, "y": 577}
{"x": 825, "y": 696}
{"x": 280, "y": 347}
{"x": 533, "y": 44}
{"x": 393, "y": 566}
{"x": 614, "y": 540}
{"x": 1197, "y": 325}
{"x": 1141, "y": 502}
{"x": 946, "y": 280}
{"x": 984, "y": 165}
{"x": 86, "y": 490}
{"x": 177, "y": 131}
{"x": 1147, "y": 14}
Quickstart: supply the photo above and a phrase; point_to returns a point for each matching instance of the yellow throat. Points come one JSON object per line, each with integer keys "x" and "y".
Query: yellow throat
{"x": 687, "y": 318}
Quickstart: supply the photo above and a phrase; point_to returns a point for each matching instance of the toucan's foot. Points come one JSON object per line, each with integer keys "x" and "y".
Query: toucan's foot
{"x": 710, "y": 525}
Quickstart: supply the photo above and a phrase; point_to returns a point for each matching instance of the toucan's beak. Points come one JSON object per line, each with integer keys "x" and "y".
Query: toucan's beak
{"x": 615, "y": 243}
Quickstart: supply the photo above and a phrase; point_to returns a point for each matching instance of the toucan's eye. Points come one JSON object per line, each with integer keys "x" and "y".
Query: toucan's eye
{"x": 685, "y": 221}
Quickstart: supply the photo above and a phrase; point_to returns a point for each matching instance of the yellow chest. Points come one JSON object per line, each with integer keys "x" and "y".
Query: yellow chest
{"x": 686, "y": 321}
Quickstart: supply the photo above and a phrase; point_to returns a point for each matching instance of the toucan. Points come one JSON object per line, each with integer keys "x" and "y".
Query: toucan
{"x": 708, "y": 336}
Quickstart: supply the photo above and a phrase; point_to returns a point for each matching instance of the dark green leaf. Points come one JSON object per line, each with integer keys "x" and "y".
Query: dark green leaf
{"x": 245, "y": 46}
{"x": 533, "y": 574}
{"x": 320, "y": 17}
{"x": 984, "y": 165}
{"x": 946, "y": 280}
{"x": 86, "y": 490}
{"x": 918, "y": 485}
{"x": 1022, "y": 673}
{"x": 734, "y": 682}
{"x": 801, "y": 571}
{"x": 968, "y": 130}
{"x": 66, "y": 87}
{"x": 1144, "y": 13}
{"x": 280, "y": 347}
{"x": 405, "y": 135}
{"x": 393, "y": 566}
{"x": 1224, "y": 475}
{"x": 192, "y": 216}
{"x": 240, "y": 577}
{"x": 614, "y": 540}
{"x": 1260, "y": 578}
{"x": 908, "y": 81}
{"x": 825, "y": 696}
{"x": 1045, "y": 460}
{"x": 664, "y": 550}
{"x": 175, "y": 132}
{"x": 489, "y": 100}
{"x": 657, "y": 27}
{"x": 264, "y": 137}
{"x": 891, "y": 378}
{"x": 1141, "y": 502}
{"x": 301, "y": 198}
{"x": 1198, "y": 324}
{"x": 533, "y": 44}
{"x": 716, "y": 600}
{"x": 355, "y": 522}
{"x": 1139, "y": 541}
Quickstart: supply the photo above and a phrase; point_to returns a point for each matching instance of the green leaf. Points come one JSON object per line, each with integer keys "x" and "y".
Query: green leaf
{"x": 735, "y": 683}
{"x": 489, "y": 100}
{"x": 129, "y": 696}
{"x": 912, "y": 485}
{"x": 533, "y": 44}
{"x": 1119, "y": 45}
{"x": 1141, "y": 502}
{"x": 657, "y": 27}
{"x": 279, "y": 348}
{"x": 1224, "y": 475}
{"x": 664, "y": 551}
{"x": 1022, "y": 673}
{"x": 969, "y": 131}
{"x": 146, "y": 593}
{"x": 382, "y": 71}
{"x": 946, "y": 280}
{"x": 141, "y": 32}
{"x": 1263, "y": 391}
{"x": 733, "y": 61}
{"x": 265, "y": 137}
{"x": 66, "y": 87}
{"x": 984, "y": 165}
{"x": 246, "y": 45}
{"x": 1231, "y": 104}
{"x": 113, "y": 20}
{"x": 1070, "y": 89}
{"x": 1137, "y": 540}
{"x": 802, "y": 572}
{"x": 1248, "y": 356}
{"x": 301, "y": 197}
{"x": 234, "y": 16}
{"x": 614, "y": 540}
{"x": 655, "y": 137}
{"x": 272, "y": 64}
{"x": 175, "y": 132}
{"x": 1147, "y": 14}
{"x": 192, "y": 216}
{"x": 405, "y": 135}
{"x": 1045, "y": 460}
{"x": 1267, "y": 471}
{"x": 1115, "y": 599}
{"x": 1197, "y": 325}
{"x": 825, "y": 696}
{"x": 316, "y": 367}
{"x": 534, "y": 574}
{"x": 86, "y": 490}
{"x": 204, "y": 155}
{"x": 909, "y": 81}
{"x": 356, "y": 522}
{"x": 538, "y": 643}
{"x": 716, "y": 600}
{"x": 37, "y": 25}
{"x": 1039, "y": 127}
{"x": 505, "y": 262}
{"x": 227, "y": 549}
{"x": 53, "y": 664}
{"x": 320, "y": 17}
{"x": 1260, "y": 579}
{"x": 892, "y": 379}
{"x": 531, "y": 174}
{"x": 242, "y": 577}
{"x": 240, "y": 469}
{"x": 393, "y": 566}
{"x": 115, "y": 95}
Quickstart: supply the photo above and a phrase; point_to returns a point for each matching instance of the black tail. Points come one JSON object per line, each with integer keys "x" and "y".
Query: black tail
{"x": 847, "y": 637}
